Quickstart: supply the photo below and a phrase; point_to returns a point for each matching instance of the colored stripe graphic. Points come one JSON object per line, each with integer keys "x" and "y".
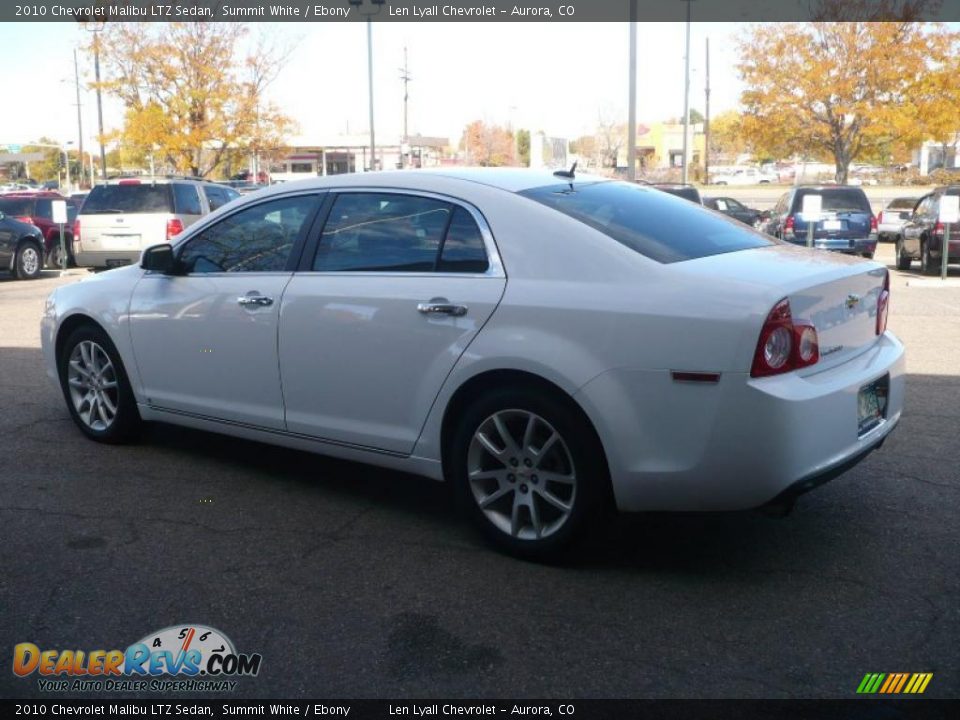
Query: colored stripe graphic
{"x": 894, "y": 683}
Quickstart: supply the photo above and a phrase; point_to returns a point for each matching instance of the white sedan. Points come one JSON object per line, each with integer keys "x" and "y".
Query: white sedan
{"x": 545, "y": 342}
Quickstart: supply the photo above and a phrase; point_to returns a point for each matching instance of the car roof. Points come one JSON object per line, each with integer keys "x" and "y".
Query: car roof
{"x": 34, "y": 194}
{"x": 153, "y": 180}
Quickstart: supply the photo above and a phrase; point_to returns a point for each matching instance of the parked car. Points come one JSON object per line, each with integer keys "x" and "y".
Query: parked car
{"x": 742, "y": 176}
{"x": 847, "y": 224}
{"x": 21, "y": 248}
{"x": 36, "y": 208}
{"x": 893, "y": 216}
{"x": 736, "y": 209}
{"x": 120, "y": 218}
{"x": 687, "y": 192}
{"x": 543, "y": 342}
{"x": 921, "y": 237}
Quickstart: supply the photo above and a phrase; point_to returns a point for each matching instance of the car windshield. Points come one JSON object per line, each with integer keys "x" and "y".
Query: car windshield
{"x": 836, "y": 200}
{"x": 16, "y": 206}
{"x": 105, "y": 199}
{"x": 903, "y": 204}
{"x": 652, "y": 223}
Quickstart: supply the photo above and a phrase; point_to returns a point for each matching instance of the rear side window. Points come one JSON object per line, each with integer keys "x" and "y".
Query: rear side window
{"x": 382, "y": 232}
{"x": 186, "y": 199}
{"x": 463, "y": 249}
{"x": 131, "y": 199}
{"x": 836, "y": 200}
{"x": 652, "y": 223}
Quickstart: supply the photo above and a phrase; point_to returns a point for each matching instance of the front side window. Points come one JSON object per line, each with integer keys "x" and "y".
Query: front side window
{"x": 649, "y": 222}
{"x": 382, "y": 232}
{"x": 257, "y": 239}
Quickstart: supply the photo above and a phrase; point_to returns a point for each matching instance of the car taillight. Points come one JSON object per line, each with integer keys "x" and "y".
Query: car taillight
{"x": 788, "y": 224}
{"x": 938, "y": 229}
{"x": 883, "y": 305}
{"x": 76, "y": 230}
{"x": 129, "y": 182}
{"x": 879, "y": 217}
{"x": 784, "y": 345}
{"x": 174, "y": 227}
{"x": 873, "y": 224}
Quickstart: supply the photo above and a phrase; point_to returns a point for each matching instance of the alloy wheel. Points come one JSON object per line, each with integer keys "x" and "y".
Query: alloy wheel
{"x": 521, "y": 474}
{"x": 93, "y": 385}
{"x": 29, "y": 260}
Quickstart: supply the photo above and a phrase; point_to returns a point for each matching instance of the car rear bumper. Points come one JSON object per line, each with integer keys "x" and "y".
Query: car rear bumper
{"x": 106, "y": 258}
{"x": 854, "y": 245}
{"x": 738, "y": 443}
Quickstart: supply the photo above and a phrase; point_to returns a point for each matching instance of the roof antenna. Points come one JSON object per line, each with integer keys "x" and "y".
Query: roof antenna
{"x": 566, "y": 173}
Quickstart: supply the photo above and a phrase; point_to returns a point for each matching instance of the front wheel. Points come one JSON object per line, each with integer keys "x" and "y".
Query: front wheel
{"x": 96, "y": 387}
{"x": 529, "y": 470}
{"x": 903, "y": 260}
{"x": 28, "y": 263}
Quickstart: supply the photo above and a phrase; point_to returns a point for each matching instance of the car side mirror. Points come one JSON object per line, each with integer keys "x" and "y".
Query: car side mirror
{"x": 159, "y": 258}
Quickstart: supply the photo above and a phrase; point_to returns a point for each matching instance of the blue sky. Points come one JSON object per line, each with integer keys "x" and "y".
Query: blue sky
{"x": 553, "y": 77}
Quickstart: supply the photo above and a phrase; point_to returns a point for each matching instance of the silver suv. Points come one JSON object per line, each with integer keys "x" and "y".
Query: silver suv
{"x": 122, "y": 217}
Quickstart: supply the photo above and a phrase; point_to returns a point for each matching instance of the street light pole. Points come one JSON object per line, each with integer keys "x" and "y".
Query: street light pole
{"x": 76, "y": 78}
{"x": 686, "y": 97}
{"x": 376, "y": 6}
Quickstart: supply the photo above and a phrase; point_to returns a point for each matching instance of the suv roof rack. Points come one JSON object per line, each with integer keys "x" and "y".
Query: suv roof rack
{"x": 130, "y": 176}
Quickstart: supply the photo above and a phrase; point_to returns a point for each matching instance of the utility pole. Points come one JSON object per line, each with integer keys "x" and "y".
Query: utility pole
{"x": 706, "y": 123}
{"x": 686, "y": 97}
{"x": 76, "y": 80}
{"x": 405, "y": 76}
{"x": 632, "y": 107}
{"x": 96, "y": 75}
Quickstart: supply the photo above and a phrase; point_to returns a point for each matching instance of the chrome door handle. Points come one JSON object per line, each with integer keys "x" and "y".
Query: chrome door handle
{"x": 435, "y": 308}
{"x": 254, "y": 301}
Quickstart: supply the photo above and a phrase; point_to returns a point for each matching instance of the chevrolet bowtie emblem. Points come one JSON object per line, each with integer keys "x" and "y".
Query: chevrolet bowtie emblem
{"x": 852, "y": 301}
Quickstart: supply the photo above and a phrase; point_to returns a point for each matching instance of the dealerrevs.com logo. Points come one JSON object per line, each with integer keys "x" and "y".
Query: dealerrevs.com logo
{"x": 188, "y": 658}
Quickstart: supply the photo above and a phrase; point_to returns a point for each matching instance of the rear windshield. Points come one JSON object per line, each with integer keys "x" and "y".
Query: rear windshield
{"x": 661, "y": 227}
{"x": 836, "y": 200}
{"x": 16, "y": 206}
{"x": 106, "y": 199}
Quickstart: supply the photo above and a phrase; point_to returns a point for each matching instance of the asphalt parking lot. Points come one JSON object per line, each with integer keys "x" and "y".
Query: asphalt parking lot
{"x": 356, "y": 582}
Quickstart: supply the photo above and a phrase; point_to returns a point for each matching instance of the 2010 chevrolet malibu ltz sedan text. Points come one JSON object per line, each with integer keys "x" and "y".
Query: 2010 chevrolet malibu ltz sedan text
{"x": 545, "y": 342}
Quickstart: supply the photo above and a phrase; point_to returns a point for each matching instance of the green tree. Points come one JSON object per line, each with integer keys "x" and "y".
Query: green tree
{"x": 523, "y": 147}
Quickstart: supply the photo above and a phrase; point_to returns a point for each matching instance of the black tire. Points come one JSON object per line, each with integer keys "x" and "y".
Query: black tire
{"x": 578, "y": 443}
{"x": 904, "y": 261}
{"x": 53, "y": 259}
{"x": 926, "y": 260}
{"x": 28, "y": 263}
{"x": 868, "y": 255}
{"x": 126, "y": 422}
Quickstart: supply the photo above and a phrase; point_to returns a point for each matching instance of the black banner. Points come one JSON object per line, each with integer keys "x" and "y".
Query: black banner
{"x": 474, "y": 10}
{"x": 858, "y": 709}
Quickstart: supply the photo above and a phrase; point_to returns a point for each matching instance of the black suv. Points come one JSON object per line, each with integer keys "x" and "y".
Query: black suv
{"x": 847, "y": 223}
{"x": 921, "y": 237}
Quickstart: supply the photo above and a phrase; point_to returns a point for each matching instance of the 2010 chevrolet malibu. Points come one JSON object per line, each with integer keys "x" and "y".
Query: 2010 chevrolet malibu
{"x": 545, "y": 342}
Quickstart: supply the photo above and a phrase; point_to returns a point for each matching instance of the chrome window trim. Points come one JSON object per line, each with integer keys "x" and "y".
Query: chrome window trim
{"x": 495, "y": 268}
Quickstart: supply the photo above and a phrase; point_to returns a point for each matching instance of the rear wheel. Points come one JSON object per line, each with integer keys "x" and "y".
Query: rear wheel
{"x": 28, "y": 263}
{"x": 903, "y": 260}
{"x": 96, "y": 387}
{"x": 55, "y": 259}
{"x": 529, "y": 471}
{"x": 927, "y": 266}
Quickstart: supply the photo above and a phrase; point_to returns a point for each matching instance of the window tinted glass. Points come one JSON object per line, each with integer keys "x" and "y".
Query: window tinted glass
{"x": 836, "y": 199}
{"x": 217, "y": 197}
{"x": 463, "y": 249}
{"x": 382, "y": 232}
{"x": 104, "y": 199}
{"x": 903, "y": 204}
{"x": 15, "y": 207}
{"x": 650, "y": 222}
{"x": 44, "y": 209}
{"x": 258, "y": 239}
{"x": 187, "y": 199}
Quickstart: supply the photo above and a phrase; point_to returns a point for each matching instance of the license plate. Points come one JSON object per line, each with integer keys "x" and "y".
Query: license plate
{"x": 872, "y": 404}
{"x": 832, "y": 224}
